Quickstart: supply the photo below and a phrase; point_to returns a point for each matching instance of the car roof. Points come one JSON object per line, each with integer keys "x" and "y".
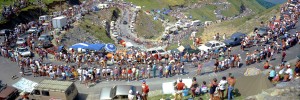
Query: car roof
{"x": 237, "y": 34}
{"x": 105, "y": 93}
{"x": 123, "y": 89}
{"x": 214, "y": 41}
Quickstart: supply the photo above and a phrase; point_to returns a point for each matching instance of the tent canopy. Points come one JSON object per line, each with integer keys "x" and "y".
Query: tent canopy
{"x": 96, "y": 47}
{"x": 80, "y": 45}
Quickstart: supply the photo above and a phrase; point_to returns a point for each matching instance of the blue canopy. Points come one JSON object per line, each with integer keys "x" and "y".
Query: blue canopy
{"x": 80, "y": 45}
{"x": 110, "y": 47}
{"x": 97, "y": 46}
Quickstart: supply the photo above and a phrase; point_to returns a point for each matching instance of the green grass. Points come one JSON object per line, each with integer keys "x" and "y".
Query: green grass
{"x": 159, "y": 4}
{"x": 204, "y": 97}
{"x": 234, "y": 9}
{"x": 50, "y": 1}
{"x": 205, "y": 13}
{"x": 147, "y": 27}
{"x": 185, "y": 41}
{"x": 97, "y": 31}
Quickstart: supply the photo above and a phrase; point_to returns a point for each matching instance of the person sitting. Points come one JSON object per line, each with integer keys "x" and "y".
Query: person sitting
{"x": 297, "y": 69}
{"x": 266, "y": 65}
{"x": 289, "y": 73}
{"x": 204, "y": 88}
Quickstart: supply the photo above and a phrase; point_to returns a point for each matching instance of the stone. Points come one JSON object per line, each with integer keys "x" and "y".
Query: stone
{"x": 276, "y": 92}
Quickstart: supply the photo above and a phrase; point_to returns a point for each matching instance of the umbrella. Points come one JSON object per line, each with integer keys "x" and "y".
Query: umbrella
{"x": 110, "y": 47}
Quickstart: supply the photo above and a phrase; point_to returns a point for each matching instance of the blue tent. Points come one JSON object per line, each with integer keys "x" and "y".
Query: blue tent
{"x": 97, "y": 46}
{"x": 110, "y": 47}
{"x": 80, "y": 45}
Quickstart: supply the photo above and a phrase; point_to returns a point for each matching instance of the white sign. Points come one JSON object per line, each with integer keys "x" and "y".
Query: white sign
{"x": 168, "y": 87}
{"x": 25, "y": 85}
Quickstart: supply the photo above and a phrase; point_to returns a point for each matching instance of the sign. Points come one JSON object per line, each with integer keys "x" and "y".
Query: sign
{"x": 169, "y": 87}
{"x": 25, "y": 85}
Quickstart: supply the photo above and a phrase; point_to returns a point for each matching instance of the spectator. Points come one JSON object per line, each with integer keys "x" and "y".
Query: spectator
{"x": 145, "y": 89}
{"x": 213, "y": 85}
{"x": 222, "y": 86}
{"x": 204, "y": 88}
{"x": 231, "y": 82}
{"x": 272, "y": 74}
{"x": 194, "y": 86}
{"x": 179, "y": 87}
{"x": 297, "y": 69}
{"x": 130, "y": 95}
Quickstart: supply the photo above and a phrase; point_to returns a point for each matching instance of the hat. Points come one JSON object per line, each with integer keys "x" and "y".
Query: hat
{"x": 289, "y": 66}
{"x": 144, "y": 81}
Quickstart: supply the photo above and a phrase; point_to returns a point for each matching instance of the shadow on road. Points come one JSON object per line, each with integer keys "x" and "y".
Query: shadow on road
{"x": 81, "y": 96}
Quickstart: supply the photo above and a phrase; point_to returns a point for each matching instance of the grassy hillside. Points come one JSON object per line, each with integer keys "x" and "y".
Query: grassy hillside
{"x": 245, "y": 24}
{"x": 205, "y": 13}
{"x": 234, "y": 9}
{"x": 147, "y": 27}
{"x": 159, "y": 4}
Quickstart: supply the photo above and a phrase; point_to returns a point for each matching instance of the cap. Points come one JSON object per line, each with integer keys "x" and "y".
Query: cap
{"x": 144, "y": 81}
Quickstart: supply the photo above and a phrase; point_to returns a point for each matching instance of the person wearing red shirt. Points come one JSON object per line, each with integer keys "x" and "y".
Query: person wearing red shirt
{"x": 179, "y": 86}
{"x": 129, "y": 72}
{"x": 145, "y": 90}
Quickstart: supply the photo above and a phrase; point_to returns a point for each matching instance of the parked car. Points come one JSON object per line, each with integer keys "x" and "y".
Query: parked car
{"x": 4, "y": 32}
{"x": 45, "y": 38}
{"x": 119, "y": 92}
{"x": 235, "y": 39}
{"x": 263, "y": 31}
{"x": 125, "y": 22}
{"x": 20, "y": 41}
{"x": 115, "y": 34}
{"x": 24, "y": 52}
{"x": 158, "y": 50}
{"x": 44, "y": 44}
{"x": 32, "y": 30}
{"x": 8, "y": 92}
{"x": 211, "y": 45}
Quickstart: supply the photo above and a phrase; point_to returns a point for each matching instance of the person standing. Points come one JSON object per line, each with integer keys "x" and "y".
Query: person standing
{"x": 161, "y": 70}
{"x": 179, "y": 86}
{"x": 154, "y": 68}
{"x": 213, "y": 87}
{"x": 231, "y": 82}
{"x": 222, "y": 86}
{"x": 199, "y": 69}
{"x": 283, "y": 55}
{"x": 145, "y": 89}
{"x": 194, "y": 86}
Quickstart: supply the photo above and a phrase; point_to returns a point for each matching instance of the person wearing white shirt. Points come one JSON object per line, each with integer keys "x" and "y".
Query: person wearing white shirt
{"x": 222, "y": 86}
{"x": 130, "y": 95}
{"x": 289, "y": 71}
